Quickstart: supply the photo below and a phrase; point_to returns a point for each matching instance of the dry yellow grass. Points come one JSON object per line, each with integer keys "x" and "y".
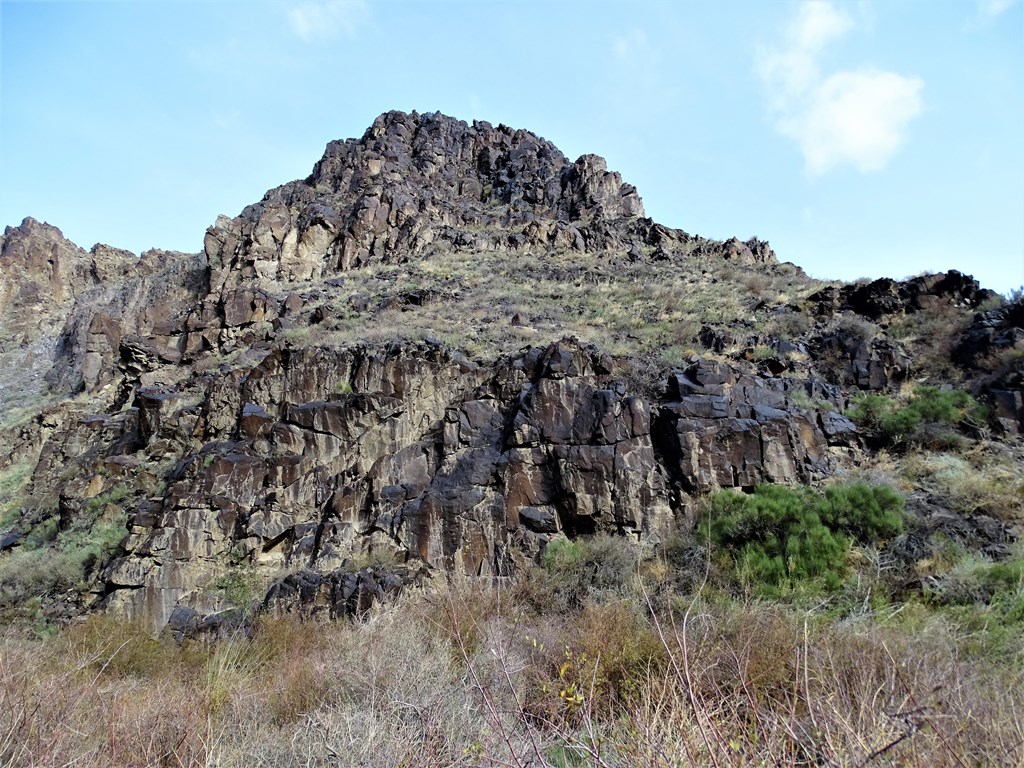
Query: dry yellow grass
{"x": 985, "y": 478}
{"x": 626, "y": 308}
{"x": 468, "y": 678}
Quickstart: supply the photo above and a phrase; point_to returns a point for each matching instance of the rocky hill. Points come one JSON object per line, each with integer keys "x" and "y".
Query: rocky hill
{"x": 446, "y": 347}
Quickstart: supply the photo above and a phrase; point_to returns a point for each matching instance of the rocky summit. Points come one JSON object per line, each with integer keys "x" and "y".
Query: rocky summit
{"x": 447, "y": 347}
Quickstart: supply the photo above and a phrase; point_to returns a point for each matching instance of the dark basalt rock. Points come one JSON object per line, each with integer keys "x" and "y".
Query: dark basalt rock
{"x": 885, "y": 296}
{"x": 995, "y": 330}
{"x": 994, "y": 342}
{"x": 339, "y": 594}
{"x": 229, "y": 439}
{"x": 189, "y": 624}
{"x": 851, "y": 359}
{"x": 460, "y": 468}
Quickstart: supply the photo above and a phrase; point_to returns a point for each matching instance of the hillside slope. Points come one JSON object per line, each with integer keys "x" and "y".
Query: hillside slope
{"x": 445, "y": 348}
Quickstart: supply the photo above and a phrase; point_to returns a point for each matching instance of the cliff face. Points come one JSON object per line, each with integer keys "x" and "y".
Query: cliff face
{"x": 315, "y": 457}
{"x": 229, "y": 435}
{"x": 64, "y": 311}
{"x": 41, "y": 276}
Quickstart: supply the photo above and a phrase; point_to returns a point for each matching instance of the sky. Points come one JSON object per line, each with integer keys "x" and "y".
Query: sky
{"x": 861, "y": 138}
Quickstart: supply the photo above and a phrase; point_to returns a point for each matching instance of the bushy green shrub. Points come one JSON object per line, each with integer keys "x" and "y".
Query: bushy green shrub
{"x": 779, "y": 537}
{"x": 929, "y": 416}
{"x": 240, "y": 585}
{"x": 867, "y": 513}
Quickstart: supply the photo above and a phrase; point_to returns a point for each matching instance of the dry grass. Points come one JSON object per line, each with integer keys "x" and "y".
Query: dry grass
{"x": 929, "y": 336}
{"x": 469, "y": 678}
{"x": 626, "y": 308}
{"x": 985, "y": 478}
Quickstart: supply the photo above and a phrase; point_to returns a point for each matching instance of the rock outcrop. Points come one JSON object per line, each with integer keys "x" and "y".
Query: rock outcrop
{"x": 41, "y": 275}
{"x": 64, "y": 311}
{"x": 234, "y": 447}
{"x": 416, "y": 184}
{"x": 315, "y": 458}
{"x": 886, "y": 296}
{"x": 994, "y": 342}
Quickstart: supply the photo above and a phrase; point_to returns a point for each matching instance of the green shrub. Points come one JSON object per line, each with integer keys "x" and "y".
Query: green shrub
{"x": 929, "y": 416}
{"x": 865, "y": 512}
{"x": 779, "y": 537}
{"x": 240, "y": 585}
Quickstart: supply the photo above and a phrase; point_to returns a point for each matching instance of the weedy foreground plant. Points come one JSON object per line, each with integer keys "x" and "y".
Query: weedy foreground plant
{"x": 626, "y": 670}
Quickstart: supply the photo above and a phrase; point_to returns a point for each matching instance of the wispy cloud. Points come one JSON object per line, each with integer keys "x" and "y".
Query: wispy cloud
{"x": 849, "y": 117}
{"x": 630, "y": 44}
{"x": 330, "y": 18}
{"x": 989, "y": 9}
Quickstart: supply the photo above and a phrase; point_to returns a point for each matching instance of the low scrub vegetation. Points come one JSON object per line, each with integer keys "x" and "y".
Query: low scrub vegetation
{"x": 593, "y": 300}
{"x": 984, "y": 479}
{"x": 575, "y": 572}
{"x": 51, "y": 560}
{"x": 471, "y": 676}
{"x": 780, "y": 538}
{"x": 13, "y": 481}
{"x": 929, "y": 417}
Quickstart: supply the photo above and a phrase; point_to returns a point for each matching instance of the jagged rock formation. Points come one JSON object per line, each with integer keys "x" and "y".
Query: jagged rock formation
{"x": 41, "y": 276}
{"x": 415, "y": 184}
{"x": 416, "y": 181}
{"x": 886, "y": 296}
{"x": 994, "y": 342}
{"x": 315, "y": 456}
{"x": 233, "y": 448}
{"x": 64, "y": 312}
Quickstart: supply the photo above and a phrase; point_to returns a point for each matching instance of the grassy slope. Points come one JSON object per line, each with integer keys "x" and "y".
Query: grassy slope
{"x": 627, "y": 309}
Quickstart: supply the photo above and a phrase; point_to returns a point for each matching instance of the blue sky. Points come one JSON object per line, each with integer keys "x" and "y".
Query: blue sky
{"x": 861, "y": 138}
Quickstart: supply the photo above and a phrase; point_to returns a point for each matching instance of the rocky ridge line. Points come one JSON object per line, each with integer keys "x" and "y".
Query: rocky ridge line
{"x": 233, "y": 450}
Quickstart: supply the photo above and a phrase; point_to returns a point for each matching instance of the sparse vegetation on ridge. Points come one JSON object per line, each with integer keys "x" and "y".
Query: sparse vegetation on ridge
{"x": 627, "y": 309}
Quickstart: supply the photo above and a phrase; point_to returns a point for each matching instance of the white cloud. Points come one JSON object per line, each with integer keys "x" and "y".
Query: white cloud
{"x": 992, "y": 8}
{"x": 630, "y": 44}
{"x": 818, "y": 24}
{"x": 849, "y": 117}
{"x": 321, "y": 20}
{"x": 855, "y": 118}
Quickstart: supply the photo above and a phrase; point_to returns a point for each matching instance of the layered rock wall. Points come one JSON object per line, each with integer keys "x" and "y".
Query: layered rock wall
{"x": 315, "y": 457}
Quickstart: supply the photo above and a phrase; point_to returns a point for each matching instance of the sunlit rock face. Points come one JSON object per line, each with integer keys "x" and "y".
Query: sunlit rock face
{"x": 194, "y": 401}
